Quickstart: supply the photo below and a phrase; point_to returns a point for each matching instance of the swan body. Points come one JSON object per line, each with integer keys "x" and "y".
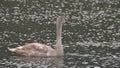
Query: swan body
{"x": 37, "y": 49}
{"x": 34, "y": 49}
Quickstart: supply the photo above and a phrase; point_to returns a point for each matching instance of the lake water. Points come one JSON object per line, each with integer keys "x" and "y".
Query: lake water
{"x": 89, "y": 25}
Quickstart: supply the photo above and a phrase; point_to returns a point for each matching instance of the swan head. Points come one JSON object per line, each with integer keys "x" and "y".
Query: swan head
{"x": 61, "y": 19}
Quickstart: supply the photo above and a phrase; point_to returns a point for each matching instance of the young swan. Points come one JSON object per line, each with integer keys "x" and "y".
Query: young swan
{"x": 37, "y": 49}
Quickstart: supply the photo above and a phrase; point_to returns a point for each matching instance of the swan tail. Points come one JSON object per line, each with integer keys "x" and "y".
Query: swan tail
{"x": 12, "y": 49}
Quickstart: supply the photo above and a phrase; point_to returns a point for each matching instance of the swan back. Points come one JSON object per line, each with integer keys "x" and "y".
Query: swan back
{"x": 33, "y": 49}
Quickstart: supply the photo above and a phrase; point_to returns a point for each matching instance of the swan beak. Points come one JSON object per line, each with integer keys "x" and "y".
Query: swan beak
{"x": 12, "y": 49}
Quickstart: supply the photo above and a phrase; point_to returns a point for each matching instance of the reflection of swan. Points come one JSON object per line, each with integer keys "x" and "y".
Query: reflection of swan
{"x": 37, "y": 49}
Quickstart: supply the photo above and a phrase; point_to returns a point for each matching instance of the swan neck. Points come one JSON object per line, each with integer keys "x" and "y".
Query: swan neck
{"x": 59, "y": 46}
{"x": 59, "y": 34}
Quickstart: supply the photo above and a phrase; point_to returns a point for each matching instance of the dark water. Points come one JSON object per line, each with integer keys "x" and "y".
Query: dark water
{"x": 89, "y": 25}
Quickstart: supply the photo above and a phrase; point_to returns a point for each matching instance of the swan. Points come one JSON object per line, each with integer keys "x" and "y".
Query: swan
{"x": 38, "y": 49}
